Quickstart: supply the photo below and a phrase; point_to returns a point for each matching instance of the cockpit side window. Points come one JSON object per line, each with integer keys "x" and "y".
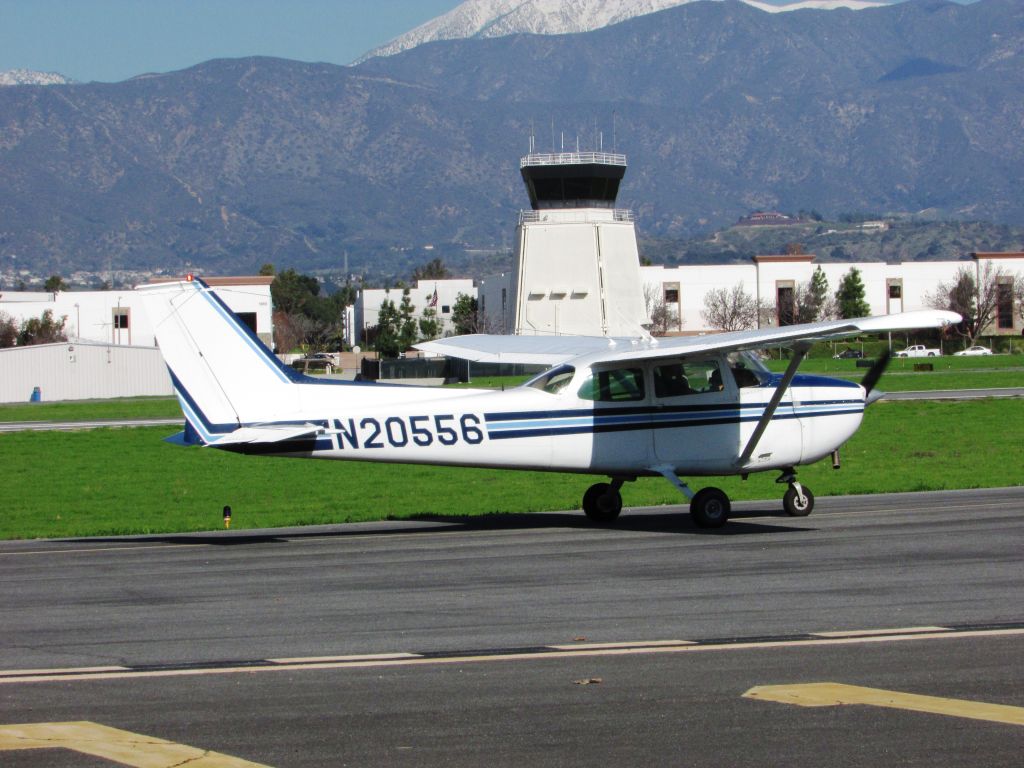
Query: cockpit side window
{"x": 553, "y": 380}
{"x": 612, "y": 386}
{"x": 687, "y": 377}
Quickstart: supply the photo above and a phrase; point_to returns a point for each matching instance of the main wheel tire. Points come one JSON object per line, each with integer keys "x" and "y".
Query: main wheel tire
{"x": 602, "y": 503}
{"x": 709, "y": 508}
{"x": 791, "y": 502}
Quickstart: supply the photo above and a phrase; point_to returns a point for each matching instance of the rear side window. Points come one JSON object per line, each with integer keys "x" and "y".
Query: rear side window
{"x": 689, "y": 377}
{"x": 616, "y": 385}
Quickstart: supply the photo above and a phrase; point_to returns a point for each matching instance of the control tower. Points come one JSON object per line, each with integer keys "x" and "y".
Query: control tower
{"x": 577, "y": 267}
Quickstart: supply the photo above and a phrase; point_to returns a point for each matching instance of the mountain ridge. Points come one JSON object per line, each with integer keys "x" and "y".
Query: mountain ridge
{"x": 721, "y": 110}
{"x": 475, "y": 19}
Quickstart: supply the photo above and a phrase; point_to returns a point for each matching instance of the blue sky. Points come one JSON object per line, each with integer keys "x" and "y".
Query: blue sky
{"x": 111, "y": 40}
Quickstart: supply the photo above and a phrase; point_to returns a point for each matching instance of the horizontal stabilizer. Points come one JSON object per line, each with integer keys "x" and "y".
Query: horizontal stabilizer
{"x": 268, "y": 434}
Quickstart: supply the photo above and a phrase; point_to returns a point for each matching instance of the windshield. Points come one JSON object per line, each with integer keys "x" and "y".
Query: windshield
{"x": 553, "y": 380}
{"x": 748, "y": 370}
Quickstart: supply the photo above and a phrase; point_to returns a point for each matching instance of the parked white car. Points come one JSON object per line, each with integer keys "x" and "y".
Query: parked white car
{"x": 919, "y": 350}
{"x": 971, "y": 351}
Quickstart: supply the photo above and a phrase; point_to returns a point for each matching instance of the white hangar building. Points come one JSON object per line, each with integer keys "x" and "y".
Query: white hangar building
{"x": 111, "y": 349}
{"x": 116, "y": 317}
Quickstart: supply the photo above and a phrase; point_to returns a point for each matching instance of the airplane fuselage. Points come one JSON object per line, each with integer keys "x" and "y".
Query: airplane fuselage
{"x": 700, "y": 433}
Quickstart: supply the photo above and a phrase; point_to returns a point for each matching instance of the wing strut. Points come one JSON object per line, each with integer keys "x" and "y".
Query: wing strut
{"x": 799, "y": 353}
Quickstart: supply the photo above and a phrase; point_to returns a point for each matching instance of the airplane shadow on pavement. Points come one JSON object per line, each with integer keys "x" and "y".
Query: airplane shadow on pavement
{"x": 667, "y": 522}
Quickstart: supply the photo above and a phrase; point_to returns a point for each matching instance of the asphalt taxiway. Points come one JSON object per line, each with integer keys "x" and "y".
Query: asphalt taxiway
{"x": 534, "y": 638}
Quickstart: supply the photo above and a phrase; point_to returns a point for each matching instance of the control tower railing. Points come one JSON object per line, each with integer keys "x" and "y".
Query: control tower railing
{"x": 574, "y": 215}
{"x": 573, "y": 158}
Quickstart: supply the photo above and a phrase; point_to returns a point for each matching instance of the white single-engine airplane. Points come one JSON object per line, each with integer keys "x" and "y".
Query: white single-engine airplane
{"x": 623, "y": 408}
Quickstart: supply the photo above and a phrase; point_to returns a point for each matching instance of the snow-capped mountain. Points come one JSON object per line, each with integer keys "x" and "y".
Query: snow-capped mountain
{"x": 30, "y": 77}
{"x": 498, "y": 18}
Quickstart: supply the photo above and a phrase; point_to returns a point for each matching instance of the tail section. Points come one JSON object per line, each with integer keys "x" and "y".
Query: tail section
{"x": 225, "y": 377}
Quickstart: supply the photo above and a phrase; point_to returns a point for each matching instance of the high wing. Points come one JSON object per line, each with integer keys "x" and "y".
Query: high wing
{"x": 531, "y": 350}
{"x": 551, "y": 350}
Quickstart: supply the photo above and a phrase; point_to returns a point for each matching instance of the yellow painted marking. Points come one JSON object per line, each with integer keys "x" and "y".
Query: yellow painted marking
{"x": 113, "y": 744}
{"x": 353, "y": 657}
{"x": 836, "y": 694}
{"x": 873, "y": 632}
{"x": 642, "y": 644}
{"x": 412, "y": 659}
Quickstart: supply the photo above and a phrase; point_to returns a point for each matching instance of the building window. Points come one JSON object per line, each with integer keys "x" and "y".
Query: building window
{"x": 672, "y": 294}
{"x": 248, "y": 319}
{"x": 121, "y": 326}
{"x": 1004, "y": 304}
{"x": 445, "y": 309}
{"x": 895, "y": 291}
{"x": 785, "y": 301}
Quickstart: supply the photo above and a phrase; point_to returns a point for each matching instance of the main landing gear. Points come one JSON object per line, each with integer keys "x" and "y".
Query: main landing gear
{"x": 709, "y": 507}
{"x": 602, "y": 502}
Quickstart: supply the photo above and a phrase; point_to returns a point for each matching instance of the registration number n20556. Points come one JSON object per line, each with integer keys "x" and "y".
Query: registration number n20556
{"x": 402, "y": 431}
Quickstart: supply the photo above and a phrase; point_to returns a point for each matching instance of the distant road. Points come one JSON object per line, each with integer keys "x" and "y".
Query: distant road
{"x": 956, "y": 394}
{"x": 49, "y": 426}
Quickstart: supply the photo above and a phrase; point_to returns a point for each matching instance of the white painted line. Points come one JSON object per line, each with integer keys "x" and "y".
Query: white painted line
{"x": 876, "y": 632}
{"x": 353, "y": 657}
{"x": 60, "y": 670}
{"x": 639, "y": 644}
{"x": 416, "y": 660}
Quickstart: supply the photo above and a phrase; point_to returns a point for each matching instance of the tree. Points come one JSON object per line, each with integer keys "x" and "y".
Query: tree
{"x": 407, "y": 326}
{"x": 55, "y": 284}
{"x": 42, "y": 330}
{"x": 850, "y": 296}
{"x": 430, "y": 325}
{"x": 730, "y": 309}
{"x": 267, "y": 270}
{"x": 292, "y": 292}
{"x": 8, "y": 331}
{"x": 975, "y": 302}
{"x": 432, "y": 270}
{"x": 386, "y": 330}
{"x": 812, "y": 299}
{"x": 464, "y": 314}
{"x": 1018, "y": 295}
{"x": 662, "y": 316}
{"x": 305, "y": 318}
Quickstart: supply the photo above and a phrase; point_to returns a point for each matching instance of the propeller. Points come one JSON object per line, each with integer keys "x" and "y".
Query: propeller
{"x": 874, "y": 374}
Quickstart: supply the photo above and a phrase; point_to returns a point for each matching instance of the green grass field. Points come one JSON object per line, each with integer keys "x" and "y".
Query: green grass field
{"x": 120, "y": 481}
{"x": 82, "y": 410}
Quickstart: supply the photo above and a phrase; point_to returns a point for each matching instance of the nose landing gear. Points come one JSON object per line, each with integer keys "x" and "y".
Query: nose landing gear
{"x": 798, "y": 501}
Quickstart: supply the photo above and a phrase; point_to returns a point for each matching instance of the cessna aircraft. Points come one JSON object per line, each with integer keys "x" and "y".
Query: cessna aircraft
{"x": 623, "y": 408}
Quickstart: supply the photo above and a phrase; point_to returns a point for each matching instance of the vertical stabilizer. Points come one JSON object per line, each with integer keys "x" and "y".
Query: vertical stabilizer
{"x": 224, "y": 375}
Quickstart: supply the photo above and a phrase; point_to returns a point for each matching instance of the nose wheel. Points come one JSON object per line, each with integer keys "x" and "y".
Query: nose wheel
{"x": 798, "y": 500}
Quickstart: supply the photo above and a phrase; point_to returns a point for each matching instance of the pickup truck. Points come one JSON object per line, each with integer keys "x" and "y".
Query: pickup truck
{"x": 919, "y": 350}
